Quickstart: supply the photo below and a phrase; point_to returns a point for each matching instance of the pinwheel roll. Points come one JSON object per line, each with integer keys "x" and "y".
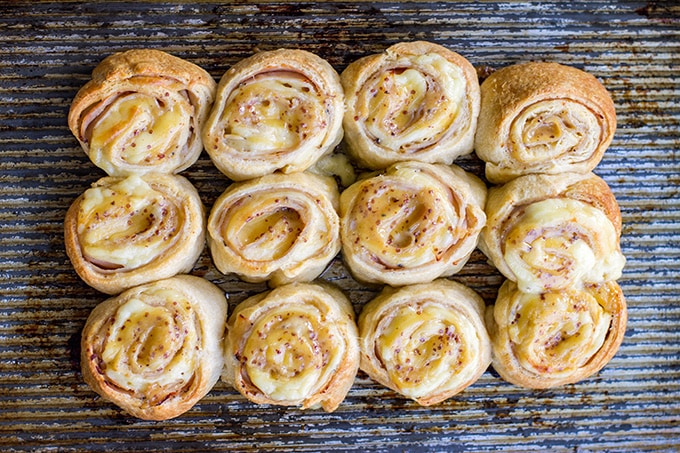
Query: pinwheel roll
{"x": 278, "y": 227}
{"x": 142, "y": 112}
{"x": 415, "y": 101}
{"x": 555, "y": 338}
{"x": 427, "y": 342}
{"x": 156, "y": 349}
{"x": 277, "y": 110}
{"x": 542, "y": 118}
{"x": 411, "y": 224}
{"x": 123, "y": 232}
{"x": 295, "y": 345}
{"x": 549, "y": 232}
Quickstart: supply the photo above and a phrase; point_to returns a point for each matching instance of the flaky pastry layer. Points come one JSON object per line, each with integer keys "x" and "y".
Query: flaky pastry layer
{"x": 542, "y": 118}
{"x": 126, "y": 231}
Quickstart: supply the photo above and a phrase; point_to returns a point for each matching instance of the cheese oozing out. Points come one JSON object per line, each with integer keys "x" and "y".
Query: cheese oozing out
{"x": 559, "y": 242}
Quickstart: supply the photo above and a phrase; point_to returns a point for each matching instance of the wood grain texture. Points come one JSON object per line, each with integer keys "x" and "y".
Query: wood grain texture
{"x": 47, "y": 51}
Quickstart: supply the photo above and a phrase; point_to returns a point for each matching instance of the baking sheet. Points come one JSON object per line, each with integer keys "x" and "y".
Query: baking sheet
{"x": 47, "y": 51}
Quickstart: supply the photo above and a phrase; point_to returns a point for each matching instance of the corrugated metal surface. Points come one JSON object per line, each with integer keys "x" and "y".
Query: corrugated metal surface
{"x": 47, "y": 51}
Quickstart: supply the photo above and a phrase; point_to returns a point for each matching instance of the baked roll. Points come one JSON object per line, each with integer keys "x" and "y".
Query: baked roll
{"x": 282, "y": 228}
{"x": 551, "y": 232}
{"x": 126, "y": 231}
{"x": 542, "y": 118}
{"x": 156, "y": 349}
{"x": 295, "y": 345}
{"x": 555, "y": 338}
{"x": 276, "y": 110}
{"x": 142, "y": 112}
{"x": 415, "y": 101}
{"x": 411, "y": 224}
{"x": 427, "y": 342}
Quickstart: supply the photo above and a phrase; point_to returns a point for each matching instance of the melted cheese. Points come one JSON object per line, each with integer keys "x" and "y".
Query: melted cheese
{"x": 125, "y": 225}
{"x": 408, "y": 108}
{"x": 427, "y": 349}
{"x": 273, "y": 112}
{"x": 151, "y": 344}
{"x": 557, "y": 332}
{"x": 404, "y": 220}
{"x": 292, "y": 352}
{"x": 336, "y": 165}
{"x": 138, "y": 129}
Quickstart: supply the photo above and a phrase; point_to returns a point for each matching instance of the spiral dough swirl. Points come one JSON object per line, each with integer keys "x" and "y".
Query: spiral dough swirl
{"x": 295, "y": 345}
{"x": 555, "y": 338}
{"x": 542, "y": 118}
{"x": 123, "y": 232}
{"x": 155, "y": 350}
{"x": 427, "y": 341}
{"x": 412, "y": 223}
{"x": 550, "y": 232}
{"x": 142, "y": 112}
{"x": 281, "y": 228}
{"x": 415, "y": 101}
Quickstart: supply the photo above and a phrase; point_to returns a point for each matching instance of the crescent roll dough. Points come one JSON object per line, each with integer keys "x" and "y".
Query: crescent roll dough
{"x": 276, "y": 110}
{"x": 542, "y": 118}
{"x": 293, "y": 346}
{"x": 555, "y": 338}
{"x": 126, "y": 231}
{"x": 411, "y": 224}
{"x": 156, "y": 349}
{"x": 427, "y": 342}
{"x": 278, "y": 227}
{"x": 415, "y": 101}
{"x": 142, "y": 112}
{"x": 551, "y": 232}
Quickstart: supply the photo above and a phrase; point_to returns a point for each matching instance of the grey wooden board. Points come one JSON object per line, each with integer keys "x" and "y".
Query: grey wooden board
{"x": 47, "y": 51}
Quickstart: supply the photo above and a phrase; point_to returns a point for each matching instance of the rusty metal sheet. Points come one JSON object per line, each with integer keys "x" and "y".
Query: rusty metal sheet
{"x": 47, "y": 51}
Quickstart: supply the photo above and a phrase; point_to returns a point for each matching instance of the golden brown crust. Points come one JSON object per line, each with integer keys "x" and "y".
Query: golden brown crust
{"x": 412, "y": 223}
{"x": 281, "y": 228}
{"x": 156, "y": 350}
{"x": 415, "y": 101}
{"x": 131, "y": 93}
{"x": 542, "y": 118}
{"x": 276, "y": 110}
{"x": 295, "y": 345}
{"x": 123, "y": 232}
{"x": 427, "y": 342}
{"x": 551, "y": 339}
{"x": 549, "y": 225}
